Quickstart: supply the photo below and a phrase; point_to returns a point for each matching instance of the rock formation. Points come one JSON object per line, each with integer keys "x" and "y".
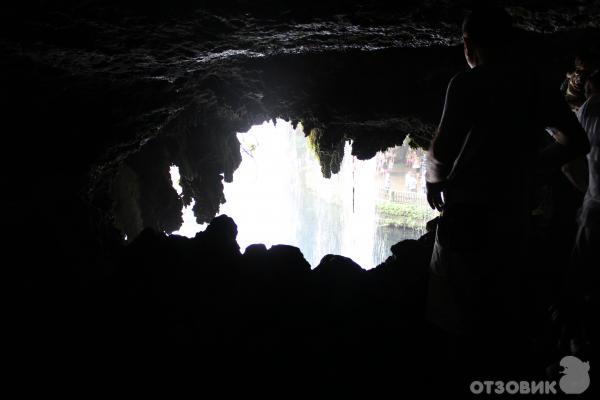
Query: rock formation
{"x": 99, "y": 98}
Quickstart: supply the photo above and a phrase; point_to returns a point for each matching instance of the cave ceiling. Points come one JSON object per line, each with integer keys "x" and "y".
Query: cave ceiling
{"x": 122, "y": 90}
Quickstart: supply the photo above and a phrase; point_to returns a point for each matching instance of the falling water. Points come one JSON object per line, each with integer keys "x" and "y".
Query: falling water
{"x": 279, "y": 196}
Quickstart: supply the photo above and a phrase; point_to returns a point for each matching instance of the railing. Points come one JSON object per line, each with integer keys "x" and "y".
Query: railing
{"x": 402, "y": 196}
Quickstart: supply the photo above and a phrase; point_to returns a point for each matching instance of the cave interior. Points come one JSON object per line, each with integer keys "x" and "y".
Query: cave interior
{"x": 102, "y": 98}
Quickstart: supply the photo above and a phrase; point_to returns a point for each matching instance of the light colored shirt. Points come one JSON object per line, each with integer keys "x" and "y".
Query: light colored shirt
{"x": 589, "y": 117}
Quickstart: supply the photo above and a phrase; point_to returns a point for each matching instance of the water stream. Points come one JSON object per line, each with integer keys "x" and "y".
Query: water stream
{"x": 279, "y": 196}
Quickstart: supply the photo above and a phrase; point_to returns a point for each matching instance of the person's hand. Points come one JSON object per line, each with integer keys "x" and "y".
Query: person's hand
{"x": 434, "y": 195}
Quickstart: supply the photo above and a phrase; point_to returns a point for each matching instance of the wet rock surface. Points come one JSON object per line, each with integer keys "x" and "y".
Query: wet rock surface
{"x": 106, "y": 79}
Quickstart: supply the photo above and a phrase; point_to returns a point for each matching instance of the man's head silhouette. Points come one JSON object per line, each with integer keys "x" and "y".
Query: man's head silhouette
{"x": 576, "y": 379}
{"x": 486, "y": 33}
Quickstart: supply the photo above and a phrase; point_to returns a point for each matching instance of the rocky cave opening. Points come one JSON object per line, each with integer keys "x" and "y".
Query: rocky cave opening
{"x": 279, "y": 195}
{"x": 103, "y": 99}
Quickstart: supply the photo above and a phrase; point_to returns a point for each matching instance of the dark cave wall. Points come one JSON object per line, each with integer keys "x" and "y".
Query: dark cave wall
{"x": 375, "y": 99}
{"x": 98, "y": 101}
{"x": 339, "y": 97}
{"x": 199, "y": 310}
{"x": 88, "y": 85}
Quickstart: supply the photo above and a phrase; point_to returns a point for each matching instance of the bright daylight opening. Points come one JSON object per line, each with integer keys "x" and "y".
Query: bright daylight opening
{"x": 279, "y": 196}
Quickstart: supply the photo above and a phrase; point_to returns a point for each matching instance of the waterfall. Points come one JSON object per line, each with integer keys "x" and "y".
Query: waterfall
{"x": 279, "y": 196}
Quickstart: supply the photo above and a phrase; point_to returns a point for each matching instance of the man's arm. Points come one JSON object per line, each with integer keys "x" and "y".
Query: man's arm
{"x": 577, "y": 172}
{"x": 449, "y": 139}
{"x": 570, "y": 139}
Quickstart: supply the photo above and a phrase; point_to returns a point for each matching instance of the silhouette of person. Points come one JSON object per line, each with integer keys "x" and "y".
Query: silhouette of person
{"x": 575, "y": 81}
{"x": 481, "y": 165}
{"x": 582, "y": 277}
{"x": 576, "y": 88}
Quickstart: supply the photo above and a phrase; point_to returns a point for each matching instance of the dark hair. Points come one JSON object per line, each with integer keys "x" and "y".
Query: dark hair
{"x": 489, "y": 27}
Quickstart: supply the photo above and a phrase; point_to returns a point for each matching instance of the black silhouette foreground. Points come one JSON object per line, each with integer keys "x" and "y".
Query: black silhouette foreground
{"x": 477, "y": 292}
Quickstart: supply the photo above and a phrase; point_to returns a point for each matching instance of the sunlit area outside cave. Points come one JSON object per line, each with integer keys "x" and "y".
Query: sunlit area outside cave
{"x": 279, "y": 196}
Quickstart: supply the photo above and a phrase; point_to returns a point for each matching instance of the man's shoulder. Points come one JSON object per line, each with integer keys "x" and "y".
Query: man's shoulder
{"x": 462, "y": 82}
{"x": 591, "y": 108}
{"x": 593, "y": 103}
{"x": 475, "y": 77}
{"x": 463, "y": 77}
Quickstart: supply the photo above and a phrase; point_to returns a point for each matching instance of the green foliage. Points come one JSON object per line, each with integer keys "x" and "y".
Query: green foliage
{"x": 313, "y": 144}
{"x": 409, "y": 215}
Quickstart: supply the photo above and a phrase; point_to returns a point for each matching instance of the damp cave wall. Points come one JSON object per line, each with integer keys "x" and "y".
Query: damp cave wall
{"x": 98, "y": 100}
{"x": 91, "y": 86}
